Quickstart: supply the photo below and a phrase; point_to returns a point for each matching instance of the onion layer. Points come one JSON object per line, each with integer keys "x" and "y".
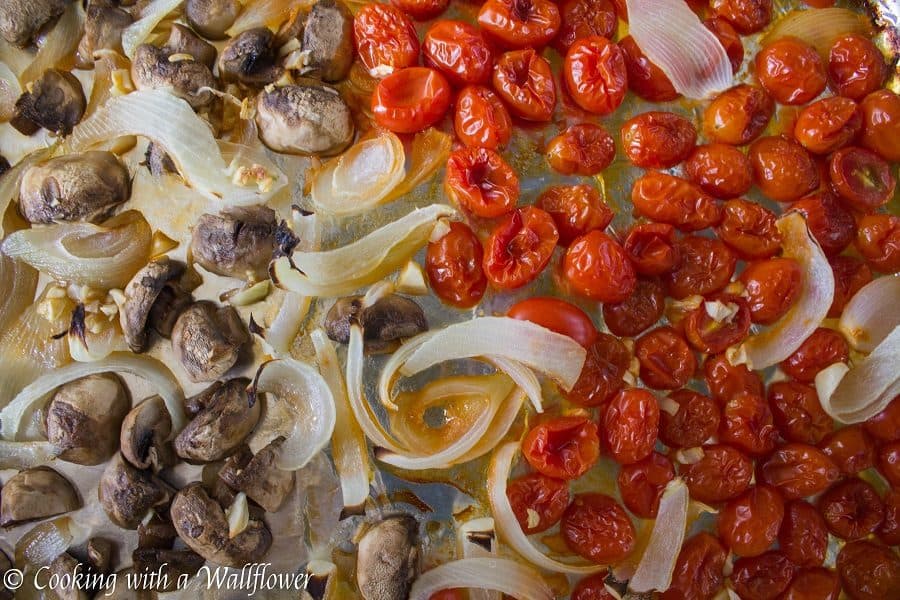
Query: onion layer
{"x": 19, "y": 283}
{"x": 24, "y": 455}
{"x": 499, "y": 574}
{"x": 154, "y": 12}
{"x": 10, "y": 90}
{"x": 872, "y": 313}
{"x": 654, "y": 572}
{"x": 60, "y": 42}
{"x": 476, "y": 539}
{"x": 271, "y": 14}
{"x": 429, "y": 152}
{"x": 819, "y": 27}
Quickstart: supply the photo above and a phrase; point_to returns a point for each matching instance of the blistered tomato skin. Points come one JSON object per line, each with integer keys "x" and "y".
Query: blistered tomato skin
{"x": 519, "y": 248}
{"x": 422, "y": 10}
{"x": 747, "y": 424}
{"x": 669, "y": 199}
{"x": 695, "y": 420}
{"x": 850, "y": 275}
{"x": 828, "y": 220}
{"x": 480, "y": 181}
{"x": 798, "y": 414}
{"x": 583, "y": 149}
{"x": 705, "y": 266}
{"x": 798, "y": 470}
{"x": 524, "y": 80}
{"x": 749, "y": 229}
{"x": 851, "y": 449}
{"x": 453, "y": 266}
{"x": 658, "y": 139}
{"x": 584, "y": 18}
{"x": 720, "y": 170}
{"x": 712, "y": 335}
{"x": 852, "y": 509}
{"x": 596, "y": 527}
{"x": 411, "y": 99}
{"x": 869, "y": 571}
{"x": 828, "y": 124}
{"x": 667, "y": 362}
{"x": 878, "y": 241}
{"x": 855, "y": 67}
{"x": 803, "y": 537}
{"x": 817, "y": 583}
{"x": 889, "y": 532}
{"x": 651, "y": 248}
{"x": 645, "y": 78}
{"x": 556, "y": 315}
{"x": 698, "y": 569}
{"x": 601, "y": 376}
{"x": 725, "y": 380}
{"x": 730, "y": 40}
{"x": 545, "y": 496}
{"x": 749, "y": 524}
{"x": 772, "y": 287}
{"x": 738, "y": 115}
{"x": 783, "y": 169}
{"x": 385, "y": 38}
{"x": 595, "y": 74}
{"x": 576, "y": 210}
{"x": 791, "y": 71}
{"x": 762, "y": 577}
{"x": 595, "y": 266}
{"x": 889, "y": 463}
{"x": 481, "y": 118}
{"x": 458, "y": 51}
{"x": 881, "y": 124}
{"x": 563, "y": 447}
{"x": 520, "y": 23}
{"x": 630, "y": 425}
{"x": 885, "y": 426}
{"x": 862, "y": 179}
{"x": 641, "y": 484}
{"x": 747, "y": 16}
{"x": 640, "y": 311}
{"x": 822, "y": 348}
{"x": 592, "y": 587}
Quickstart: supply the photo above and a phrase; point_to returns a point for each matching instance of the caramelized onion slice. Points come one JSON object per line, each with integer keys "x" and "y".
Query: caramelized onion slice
{"x": 24, "y": 455}
{"x": 19, "y": 284}
{"x": 872, "y": 313}
{"x": 498, "y": 574}
{"x": 10, "y": 90}
{"x": 654, "y": 572}
{"x": 429, "y": 152}
{"x": 154, "y": 12}
{"x": 819, "y": 27}
{"x": 59, "y": 43}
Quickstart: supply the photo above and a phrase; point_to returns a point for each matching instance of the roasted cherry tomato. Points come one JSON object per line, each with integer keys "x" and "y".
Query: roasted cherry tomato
{"x": 889, "y": 532}
{"x": 738, "y": 115}
{"x": 885, "y": 426}
{"x": 688, "y": 419}
{"x": 862, "y": 179}
{"x": 749, "y": 229}
{"x": 698, "y": 569}
{"x": 479, "y": 180}
{"x": 556, "y": 315}
{"x": 645, "y": 78}
{"x": 595, "y": 74}
{"x": 458, "y": 51}
{"x": 576, "y": 210}
{"x": 481, "y": 119}
{"x": 667, "y": 362}
{"x": 791, "y": 71}
{"x": 797, "y": 412}
{"x": 453, "y": 265}
{"x": 596, "y": 527}
{"x": 710, "y": 333}
{"x": 583, "y": 149}
{"x": 852, "y": 509}
{"x": 705, "y": 266}
{"x": 563, "y": 447}
{"x": 669, "y": 199}
{"x": 850, "y": 275}
{"x": 592, "y": 587}
{"x": 601, "y": 376}
{"x": 725, "y": 380}
{"x": 855, "y": 67}
{"x": 747, "y": 424}
{"x": 630, "y": 425}
{"x": 720, "y": 170}
{"x": 762, "y": 577}
{"x": 658, "y": 139}
{"x": 772, "y": 287}
{"x": 722, "y": 473}
{"x": 422, "y": 10}
{"x": 584, "y": 18}
{"x": 730, "y": 40}
{"x": 519, "y": 248}
{"x": 640, "y": 311}
{"x": 889, "y": 463}
{"x": 830, "y": 223}
{"x": 524, "y": 80}
{"x": 537, "y": 501}
{"x": 641, "y": 484}
{"x": 828, "y": 124}
{"x": 782, "y": 168}
{"x": 595, "y": 265}
{"x": 747, "y": 16}
{"x": 851, "y": 449}
{"x": 798, "y": 470}
{"x": 881, "y": 124}
{"x": 869, "y": 571}
{"x": 411, "y": 99}
{"x": 749, "y": 524}
{"x": 385, "y": 39}
{"x": 520, "y": 23}
{"x": 651, "y": 248}
{"x": 822, "y": 348}
{"x": 878, "y": 241}
{"x": 803, "y": 537}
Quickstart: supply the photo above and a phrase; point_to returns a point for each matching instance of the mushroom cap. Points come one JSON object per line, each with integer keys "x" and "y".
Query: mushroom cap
{"x": 238, "y": 242}
{"x": 152, "y": 69}
{"x": 258, "y": 477}
{"x": 212, "y": 18}
{"x": 184, "y": 41}
{"x": 65, "y": 565}
{"x": 146, "y": 434}
{"x": 249, "y": 58}
{"x": 328, "y": 40}
{"x": 171, "y": 563}
{"x": 387, "y": 560}
{"x": 127, "y": 494}
{"x": 36, "y": 493}
{"x": 21, "y": 20}
{"x": 100, "y": 553}
{"x": 54, "y": 101}
{"x": 140, "y": 295}
{"x": 227, "y": 414}
{"x": 390, "y": 319}
{"x": 207, "y": 340}
{"x": 104, "y": 23}
{"x": 304, "y": 119}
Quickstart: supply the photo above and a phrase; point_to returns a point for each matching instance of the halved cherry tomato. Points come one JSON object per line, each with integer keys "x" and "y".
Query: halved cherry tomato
{"x": 828, "y": 124}
{"x": 747, "y": 424}
{"x": 852, "y": 509}
{"x": 669, "y": 199}
{"x": 520, "y": 23}
{"x": 885, "y": 426}
{"x": 738, "y": 115}
{"x": 747, "y": 16}
{"x": 519, "y": 248}
{"x": 878, "y": 241}
{"x": 822, "y": 348}
{"x": 596, "y": 527}
{"x": 601, "y": 376}
{"x": 422, "y": 10}
{"x": 695, "y": 420}
{"x": 855, "y": 67}
{"x": 803, "y": 537}
{"x": 480, "y": 181}
{"x": 638, "y": 312}
{"x": 556, "y": 315}
{"x": 782, "y": 168}
{"x": 730, "y": 40}
{"x": 584, "y": 18}
{"x": 850, "y": 275}
{"x": 715, "y": 334}
{"x": 453, "y": 265}
{"x": 630, "y": 425}
{"x": 411, "y": 99}
{"x": 645, "y": 78}
{"x": 851, "y": 449}
{"x": 385, "y": 38}
{"x": 658, "y": 139}
{"x": 869, "y": 571}
{"x": 592, "y": 587}
{"x": 749, "y": 229}
{"x": 481, "y": 118}
{"x": 791, "y": 71}
{"x": 458, "y": 51}
{"x": 562, "y": 447}
{"x": 749, "y": 523}
{"x": 772, "y": 286}
{"x": 576, "y": 210}
{"x": 698, "y": 569}
{"x": 596, "y": 266}
{"x": 583, "y": 149}
{"x": 720, "y": 170}
{"x": 762, "y": 577}
{"x": 830, "y": 223}
{"x": 705, "y": 266}
{"x": 881, "y": 124}
{"x": 641, "y": 484}
{"x": 651, "y": 248}
{"x": 595, "y": 74}
{"x": 797, "y": 412}
{"x": 725, "y": 380}
{"x": 862, "y": 179}
{"x": 524, "y": 79}
{"x": 542, "y": 496}
{"x": 722, "y": 473}
{"x": 798, "y": 470}
{"x": 667, "y": 362}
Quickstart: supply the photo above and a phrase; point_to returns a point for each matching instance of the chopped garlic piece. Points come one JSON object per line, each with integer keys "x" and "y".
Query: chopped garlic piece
{"x": 721, "y": 312}
{"x": 179, "y": 57}
{"x": 238, "y": 515}
{"x": 412, "y": 280}
{"x": 534, "y": 519}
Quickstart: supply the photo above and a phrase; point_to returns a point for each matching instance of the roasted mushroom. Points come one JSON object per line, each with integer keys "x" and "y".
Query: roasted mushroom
{"x": 184, "y": 41}
{"x": 212, "y": 18}
{"x": 238, "y": 242}
{"x": 62, "y": 569}
{"x": 249, "y": 58}
{"x": 54, "y": 101}
{"x": 22, "y": 20}
{"x": 84, "y": 416}
{"x": 155, "y": 68}
{"x": 157, "y": 161}
{"x": 141, "y": 293}
{"x": 207, "y": 340}
{"x": 36, "y": 493}
{"x": 146, "y": 435}
{"x": 172, "y": 564}
{"x": 201, "y": 523}
{"x": 226, "y": 416}
{"x": 156, "y": 533}
{"x": 100, "y": 553}
{"x": 74, "y": 187}
{"x": 104, "y": 23}
{"x": 387, "y": 561}
{"x": 328, "y": 40}
{"x": 384, "y": 323}
{"x": 258, "y": 477}
{"x": 5, "y": 565}
{"x": 127, "y": 494}
{"x": 311, "y": 118}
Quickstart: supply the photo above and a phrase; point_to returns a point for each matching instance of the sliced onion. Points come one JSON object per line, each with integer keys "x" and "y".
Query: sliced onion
{"x": 44, "y": 542}
{"x": 346, "y": 269}
{"x": 10, "y": 90}
{"x": 654, "y": 572}
{"x": 429, "y": 152}
{"x": 673, "y": 38}
{"x": 819, "y": 27}
{"x": 498, "y": 574}
{"x": 24, "y": 455}
{"x": 302, "y": 411}
{"x": 779, "y": 341}
{"x": 59, "y": 43}
{"x": 136, "y": 33}
{"x": 507, "y": 524}
{"x": 476, "y": 539}
{"x": 19, "y": 284}
{"x": 157, "y": 375}
{"x": 872, "y": 313}
{"x": 500, "y": 426}
{"x": 186, "y": 138}
{"x": 270, "y": 13}
{"x": 524, "y": 378}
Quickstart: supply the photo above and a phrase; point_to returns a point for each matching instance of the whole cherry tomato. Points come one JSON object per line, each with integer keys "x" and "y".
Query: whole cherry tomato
{"x": 584, "y": 18}
{"x": 563, "y": 447}
{"x": 596, "y": 527}
{"x": 651, "y": 248}
{"x": 855, "y": 67}
{"x": 852, "y": 509}
{"x": 850, "y": 275}
{"x": 885, "y": 426}
{"x": 595, "y": 266}
{"x": 828, "y": 124}
{"x": 889, "y": 532}
{"x": 862, "y": 179}
{"x": 519, "y": 248}
{"x": 889, "y": 463}
{"x": 520, "y": 23}
{"x": 658, "y": 139}
{"x": 638, "y": 312}
{"x": 772, "y": 287}
{"x": 749, "y": 523}
{"x": 645, "y": 78}
{"x": 747, "y": 16}
{"x": 705, "y": 267}
{"x": 556, "y": 315}
{"x": 851, "y": 449}
{"x": 713, "y": 334}
{"x": 601, "y": 376}
{"x": 798, "y": 470}
{"x": 720, "y": 170}
{"x": 458, "y": 51}
{"x": 817, "y": 583}
{"x": 385, "y": 39}
{"x": 747, "y": 424}
{"x": 730, "y": 40}
{"x": 881, "y": 124}
{"x": 749, "y": 229}
{"x": 669, "y": 199}
{"x": 738, "y": 115}
{"x": 695, "y": 419}
{"x": 537, "y": 501}
{"x": 411, "y": 99}
{"x": 803, "y": 537}
{"x": 481, "y": 119}
{"x": 878, "y": 241}
{"x": 592, "y": 587}
{"x": 583, "y": 149}
{"x": 422, "y": 10}
{"x": 830, "y": 223}
{"x": 725, "y": 380}
{"x": 869, "y": 571}
{"x": 576, "y": 210}
{"x": 641, "y": 484}
{"x": 762, "y": 577}
{"x": 595, "y": 74}
{"x": 453, "y": 266}
{"x": 797, "y": 412}
{"x": 480, "y": 181}
{"x": 791, "y": 71}
{"x": 782, "y": 168}
{"x": 698, "y": 569}
{"x": 822, "y": 348}
{"x": 630, "y": 425}
{"x": 667, "y": 362}
{"x": 524, "y": 80}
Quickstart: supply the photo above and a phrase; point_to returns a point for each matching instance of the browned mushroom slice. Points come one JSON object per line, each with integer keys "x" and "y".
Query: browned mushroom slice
{"x": 387, "y": 560}
{"x": 249, "y": 58}
{"x": 184, "y": 41}
{"x": 304, "y": 119}
{"x": 100, "y": 553}
{"x": 172, "y": 564}
{"x": 21, "y": 20}
{"x": 238, "y": 242}
{"x": 104, "y": 23}
{"x": 207, "y": 340}
{"x": 146, "y": 435}
{"x": 212, "y": 18}
{"x": 61, "y": 570}
{"x": 127, "y": 494}
{"x": 188, "y": 79}
{"x": 54, "y": 101}
{"x": 34, "y": 494}
{"x": 141, "y": 294}
{"x": 258, "y": 477}
{"x": 328, "y": 40}
{"x": 226, "y": 416}
{"x": 384, "y": 323}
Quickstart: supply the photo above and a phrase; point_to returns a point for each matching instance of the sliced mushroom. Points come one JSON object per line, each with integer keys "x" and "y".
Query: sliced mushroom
{"x": 156, "y": 68}
{"x": 258, "y": 477}
{"x": 54, "y": 101}
{"x": 84, "y": 416}
{"x": 127, "y": 494}
{"x": 146, "y": 435}
{"x": 171, "y": 564}
{"x": 62, "y": 569}
{"x": 238, "y": 242}
{"x": 22, "y": 20}
{"x": 168, "y": 306}
{"x": 201, "y": 523}
{"x": 384, "y": 323}
{"x": 100, "y": 553}
{"x": 141, "y": 294}
{"x": 328, "y": 40}
{"x": 74, "y": 187}
{"x": 207, "y": 340}
{"x": 212, "y": 18}
{"x": 226, "y": 417}
{"x": 249, "y": 58}
{"x": 36, "y": 493}
{"x": 387, "y": 561}
{"x": 184, "y": 41}
{"x": 104, "y": 23}
{"x": 304, "y": 119}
